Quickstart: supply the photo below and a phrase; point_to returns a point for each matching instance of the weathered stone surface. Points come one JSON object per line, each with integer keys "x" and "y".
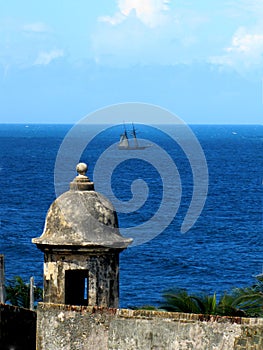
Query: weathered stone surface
{"x": 69, "y": 328}
{"x": 82, "y": 218}
{"x": 103, "y": 276}
{"x": 107, "y": 329}
{"x": 81, "y": 242}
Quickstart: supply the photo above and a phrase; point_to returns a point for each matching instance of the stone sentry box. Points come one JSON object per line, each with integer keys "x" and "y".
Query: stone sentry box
{"x": 81, "y": 244}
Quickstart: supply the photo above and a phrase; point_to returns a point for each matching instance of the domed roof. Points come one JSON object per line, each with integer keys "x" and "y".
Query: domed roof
{"x": 82, "y": 217}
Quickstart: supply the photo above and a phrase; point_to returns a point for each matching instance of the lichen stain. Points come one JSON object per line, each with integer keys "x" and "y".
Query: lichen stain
{"x": 50, "y": 272}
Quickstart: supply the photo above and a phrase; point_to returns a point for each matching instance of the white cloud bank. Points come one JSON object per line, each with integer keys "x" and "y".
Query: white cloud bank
{"x": 169, "y": 32}
{"x": 245, "y": 49}
{"x": 148, "y": 32}
{"x": 150, "y": 12}
{"x": 36, "y": 27}
{"x": 44, "y": 58}
{"x": 246, "y": 43}
{"x": 25, "y": 44}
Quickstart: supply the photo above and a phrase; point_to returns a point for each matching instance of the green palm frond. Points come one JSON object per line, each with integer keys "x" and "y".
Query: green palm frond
{"x": 245, "y": 302}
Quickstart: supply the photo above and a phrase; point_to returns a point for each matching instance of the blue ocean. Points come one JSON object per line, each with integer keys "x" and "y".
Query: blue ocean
{"x": 222, "y": 250}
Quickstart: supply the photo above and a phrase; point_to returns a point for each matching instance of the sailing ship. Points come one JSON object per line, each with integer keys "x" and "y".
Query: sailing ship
{"x": 126, "y": 143}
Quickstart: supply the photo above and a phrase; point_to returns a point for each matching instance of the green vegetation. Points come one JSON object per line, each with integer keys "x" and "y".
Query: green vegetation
{"x": 18, "y": 292}
{"x": 240, "y": 302}
{"x": 180, "y": 301}
{"x": 245, "y": 302}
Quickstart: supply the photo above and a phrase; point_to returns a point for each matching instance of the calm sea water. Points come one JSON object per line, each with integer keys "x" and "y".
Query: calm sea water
{"x": 222, "y": 250}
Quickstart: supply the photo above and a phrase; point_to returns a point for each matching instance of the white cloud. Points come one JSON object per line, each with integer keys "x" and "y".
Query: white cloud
{"x": 245, "y": 51}
{"x": 24, "y": 44}
{"x": 149, "y": 32}
{"x": 150, "y": 12}
{"x": 113, "y": 20}
{"x": 36, "y": 27}
{"x": 166, "y": 32}
{"x": 44, "y": 58}
{"x": 246, "y": 43}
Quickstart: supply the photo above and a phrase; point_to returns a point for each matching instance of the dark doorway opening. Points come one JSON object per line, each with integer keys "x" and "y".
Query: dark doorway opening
{"x": 77, "y": 287}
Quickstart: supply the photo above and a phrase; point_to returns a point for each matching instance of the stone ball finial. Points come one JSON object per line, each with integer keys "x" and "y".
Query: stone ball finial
{"x": 82, "y": 168}
{"x": 82, "y": 182}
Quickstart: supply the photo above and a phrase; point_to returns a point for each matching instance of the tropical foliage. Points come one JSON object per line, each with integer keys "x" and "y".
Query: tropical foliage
{"x": 180, "y": 301}
{"x": 18, "y": 292}
{"x": 245, "y": 302}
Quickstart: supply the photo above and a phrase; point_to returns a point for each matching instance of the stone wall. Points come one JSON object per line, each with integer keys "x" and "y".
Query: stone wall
{"x": 71, "y": 328}
{"x": 17, "y": 328}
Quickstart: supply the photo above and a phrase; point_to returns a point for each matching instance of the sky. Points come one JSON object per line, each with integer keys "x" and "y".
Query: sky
{"x": 201, "y": 60}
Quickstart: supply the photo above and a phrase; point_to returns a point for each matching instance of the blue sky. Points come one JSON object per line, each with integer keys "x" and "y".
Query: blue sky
{"x": 61, "y": 60}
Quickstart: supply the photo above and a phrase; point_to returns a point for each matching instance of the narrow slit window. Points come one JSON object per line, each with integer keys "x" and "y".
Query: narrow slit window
{"x": 86, "y": 288}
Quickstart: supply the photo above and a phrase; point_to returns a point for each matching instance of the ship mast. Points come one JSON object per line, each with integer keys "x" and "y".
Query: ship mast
{"x": 134, "y": 136}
